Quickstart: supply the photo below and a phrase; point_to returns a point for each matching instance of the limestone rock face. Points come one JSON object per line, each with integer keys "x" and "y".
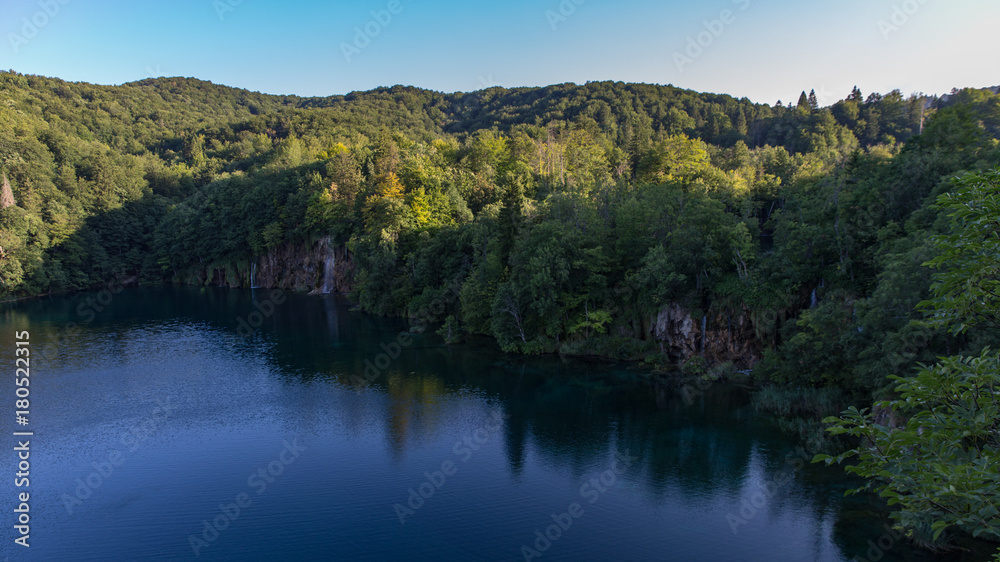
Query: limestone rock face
{"x": 303, "y": 267}
{"x": 675, "y": 330}
{"x": 721, "y": 336}
{"x": 6, "y": 194}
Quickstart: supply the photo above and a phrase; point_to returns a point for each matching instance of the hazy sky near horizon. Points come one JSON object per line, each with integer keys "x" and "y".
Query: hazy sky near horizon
{"x": 761, "y": 49}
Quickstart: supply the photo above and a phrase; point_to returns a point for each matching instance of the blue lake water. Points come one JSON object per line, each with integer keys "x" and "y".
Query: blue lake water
{"x": 212, "y": 424}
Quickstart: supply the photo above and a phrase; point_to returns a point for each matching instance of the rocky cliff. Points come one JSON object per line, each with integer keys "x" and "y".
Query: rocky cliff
{"x": 719, "y": 336}
{"x": 317, "y": 267}
{"x": 323, "y": 267}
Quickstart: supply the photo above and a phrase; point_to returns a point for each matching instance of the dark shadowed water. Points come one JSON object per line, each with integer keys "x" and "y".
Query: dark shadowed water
{"x": 165, "y": 427}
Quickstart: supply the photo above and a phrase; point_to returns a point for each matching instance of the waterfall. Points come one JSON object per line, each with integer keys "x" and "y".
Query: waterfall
{"x": 812, "y": 299}
{"x": 253, "y": 275}
{"x": 704, "y": 323}
{"x": 329, "y": 270}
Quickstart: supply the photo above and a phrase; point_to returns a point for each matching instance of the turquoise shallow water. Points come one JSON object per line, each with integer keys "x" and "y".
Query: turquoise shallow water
{"x": 174, "y": 424}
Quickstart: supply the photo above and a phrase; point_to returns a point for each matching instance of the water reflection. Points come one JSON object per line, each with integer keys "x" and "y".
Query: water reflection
{"x": 699, "y": 466}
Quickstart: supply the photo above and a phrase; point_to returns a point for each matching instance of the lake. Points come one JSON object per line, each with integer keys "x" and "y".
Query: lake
{"x": 174, "y": 423}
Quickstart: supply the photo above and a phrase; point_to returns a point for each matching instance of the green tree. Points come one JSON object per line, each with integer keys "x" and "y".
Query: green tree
{"x": 674, "y": 158}
{"x": 941, "y": 467}
{"x": 803, "y": 103}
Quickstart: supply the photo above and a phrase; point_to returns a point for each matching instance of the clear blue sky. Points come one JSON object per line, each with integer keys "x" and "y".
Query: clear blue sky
{"x": 766, "y": 50}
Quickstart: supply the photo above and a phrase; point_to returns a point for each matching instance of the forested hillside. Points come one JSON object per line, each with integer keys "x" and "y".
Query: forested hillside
{"x": 573, "y": 219}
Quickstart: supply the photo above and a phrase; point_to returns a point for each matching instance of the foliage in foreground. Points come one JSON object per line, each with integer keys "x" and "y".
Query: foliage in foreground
{"x": 941, "y": 468}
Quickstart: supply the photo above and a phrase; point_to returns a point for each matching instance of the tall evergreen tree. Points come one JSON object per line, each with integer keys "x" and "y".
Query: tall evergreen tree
{"x": 804, "y": 102}
{"x": 741, "y": 122}
{"x": 813, "y": 102}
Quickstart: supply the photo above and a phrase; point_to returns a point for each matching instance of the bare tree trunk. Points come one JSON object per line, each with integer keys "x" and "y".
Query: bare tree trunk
{"x": 511, "y": 307}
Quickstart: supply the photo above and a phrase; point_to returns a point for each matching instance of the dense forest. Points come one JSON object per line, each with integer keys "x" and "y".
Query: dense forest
{"x": 558, "y": 219}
